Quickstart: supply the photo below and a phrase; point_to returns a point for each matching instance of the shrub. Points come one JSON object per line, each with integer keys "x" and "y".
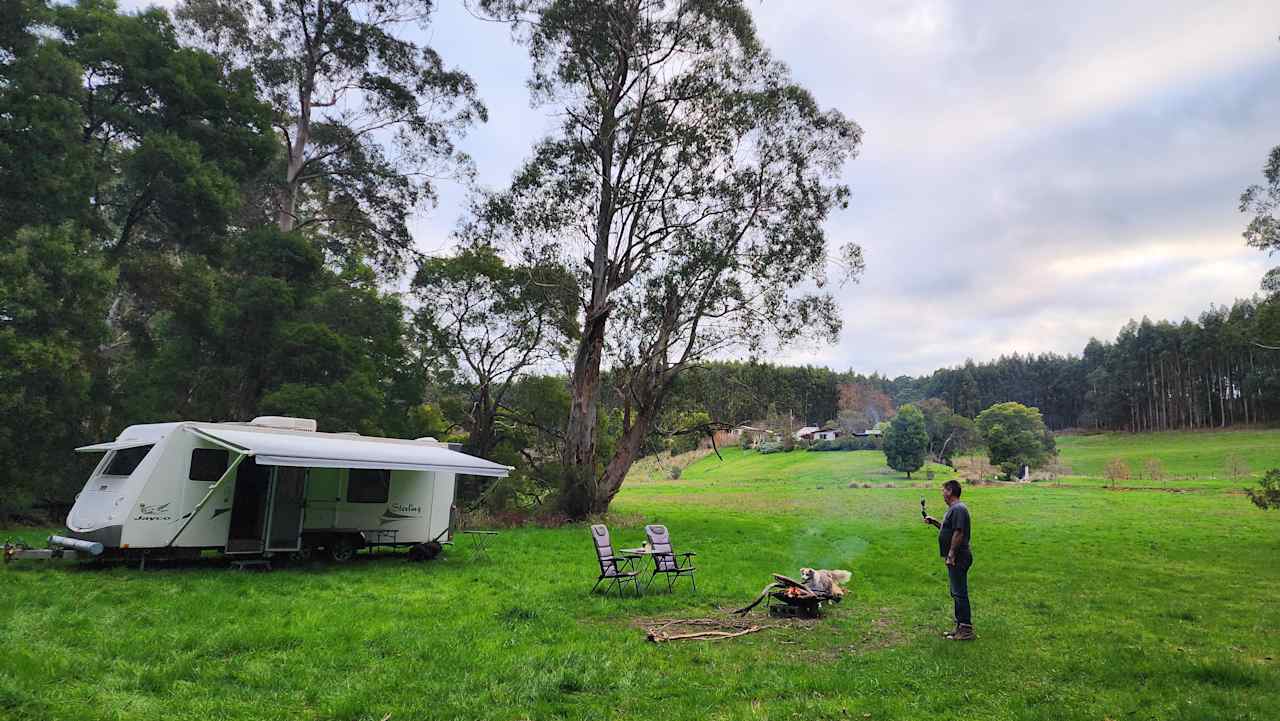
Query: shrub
{"x": 770, "y": 447}
{"x": 674, "y": 473}
{"x": 744, "y": 441}
{"x": 550, "y": 518}
{"x": 1268, "y": 493}
{"x": 1117, "y": 470}
{"x": 974, "y": 469}
{"x": 846, "y": 443}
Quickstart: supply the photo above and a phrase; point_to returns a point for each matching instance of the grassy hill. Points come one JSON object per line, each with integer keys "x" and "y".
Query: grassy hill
{"x": 1190, "y": 458}
{"x": 836, "y": 467}
{"x": 1089, "y": 604}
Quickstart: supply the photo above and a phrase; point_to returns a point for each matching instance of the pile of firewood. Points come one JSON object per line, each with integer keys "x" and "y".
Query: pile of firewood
{"x": 707, "y": 629}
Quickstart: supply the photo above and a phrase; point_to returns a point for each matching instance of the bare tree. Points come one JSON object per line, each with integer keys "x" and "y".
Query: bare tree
{"x": 1236, "y": 466}
{"x": 1117, "y": 470}
{"x": 1154, "y": 469}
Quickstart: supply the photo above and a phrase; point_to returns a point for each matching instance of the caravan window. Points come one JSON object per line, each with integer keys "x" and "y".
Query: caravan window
{"x": 368, "y": 485}
{"x": 125, "y": 460}
{"x": 208, "y": 464}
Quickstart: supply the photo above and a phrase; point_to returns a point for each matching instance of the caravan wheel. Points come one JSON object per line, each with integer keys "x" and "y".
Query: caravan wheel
{"x": 342, "y": 549}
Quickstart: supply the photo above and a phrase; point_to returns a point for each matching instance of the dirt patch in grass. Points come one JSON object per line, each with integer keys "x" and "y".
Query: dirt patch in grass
{"x": 725, "y": 621}
{"x": 827, "y": 637}
{"x": 726, "y": 618}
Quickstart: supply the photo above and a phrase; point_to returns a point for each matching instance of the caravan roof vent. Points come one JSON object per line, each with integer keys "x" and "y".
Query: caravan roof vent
{"x": 427, "y": 439}
{"x": 285, "y": 422}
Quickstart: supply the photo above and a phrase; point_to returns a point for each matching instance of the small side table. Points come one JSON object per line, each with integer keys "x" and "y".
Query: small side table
{"x": 480, "y": 542}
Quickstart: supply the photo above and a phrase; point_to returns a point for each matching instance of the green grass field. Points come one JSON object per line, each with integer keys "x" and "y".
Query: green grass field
{"x": 1191, "y": 459}
{"x": 1089, "y": 604}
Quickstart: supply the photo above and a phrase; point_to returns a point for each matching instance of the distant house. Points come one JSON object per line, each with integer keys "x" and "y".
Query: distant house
{"x": 753, "y": 434}
{"x": 869, "y": 432}
{"x": 806, "y": 433}
{"x": 818, "y": 433}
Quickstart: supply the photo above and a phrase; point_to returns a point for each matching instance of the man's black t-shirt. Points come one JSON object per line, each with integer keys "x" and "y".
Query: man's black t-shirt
{"x": 957, "y": 518}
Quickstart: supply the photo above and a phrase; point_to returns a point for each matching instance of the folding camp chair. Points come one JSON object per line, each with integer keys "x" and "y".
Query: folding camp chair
{"x": 617, "y": 570}
{"x": 665, "y": 561}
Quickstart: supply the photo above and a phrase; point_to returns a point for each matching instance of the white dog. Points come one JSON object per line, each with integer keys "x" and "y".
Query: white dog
{"x": 824, "y": 581}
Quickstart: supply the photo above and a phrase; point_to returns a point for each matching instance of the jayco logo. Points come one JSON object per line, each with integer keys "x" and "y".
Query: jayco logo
{"x": 153, "y": 513}
{"x": 406, "y": 508}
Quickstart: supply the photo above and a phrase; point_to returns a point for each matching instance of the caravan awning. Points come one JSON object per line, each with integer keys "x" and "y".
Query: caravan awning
{"x": 342, "y": 451}
{"x": 113, "y": 446}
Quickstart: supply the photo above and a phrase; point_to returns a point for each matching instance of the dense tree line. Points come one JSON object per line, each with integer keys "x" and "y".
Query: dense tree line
{"x": 736, "y": 392}
{"x": 1209, "y": 372}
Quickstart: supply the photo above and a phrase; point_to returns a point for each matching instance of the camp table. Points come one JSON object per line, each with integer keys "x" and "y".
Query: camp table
{"x": 480, "y": 542}
{"x": 376, "y": 537}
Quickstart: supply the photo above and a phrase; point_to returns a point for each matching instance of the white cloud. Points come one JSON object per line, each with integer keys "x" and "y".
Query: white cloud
{"x": 1032, "y": 174}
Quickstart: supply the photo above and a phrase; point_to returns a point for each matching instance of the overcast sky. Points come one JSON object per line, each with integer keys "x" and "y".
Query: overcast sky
{"x": 1032, "y": 174}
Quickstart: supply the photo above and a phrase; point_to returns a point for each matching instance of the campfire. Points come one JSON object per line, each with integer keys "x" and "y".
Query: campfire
{"x": 788, "y": 597}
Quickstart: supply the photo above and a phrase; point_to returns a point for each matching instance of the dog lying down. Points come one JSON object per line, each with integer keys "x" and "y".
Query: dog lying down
{"x": 824, "y": 581}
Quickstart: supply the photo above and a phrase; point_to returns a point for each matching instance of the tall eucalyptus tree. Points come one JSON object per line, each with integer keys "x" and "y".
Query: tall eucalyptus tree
{"x": 367, "y": 118}
{"x": 687, "y": 184}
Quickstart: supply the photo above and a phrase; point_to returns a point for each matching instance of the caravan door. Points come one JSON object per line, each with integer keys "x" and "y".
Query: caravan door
{"x": 324, "y": 491}
{"x": 284, "y": 525}
{"x": 249, "y": 508}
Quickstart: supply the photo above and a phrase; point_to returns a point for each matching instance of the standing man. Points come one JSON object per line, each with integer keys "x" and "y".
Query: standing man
{"x": 953, "y": 543}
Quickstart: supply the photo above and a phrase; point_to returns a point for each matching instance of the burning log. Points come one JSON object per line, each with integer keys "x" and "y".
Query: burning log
{"x": 794, "y": 598}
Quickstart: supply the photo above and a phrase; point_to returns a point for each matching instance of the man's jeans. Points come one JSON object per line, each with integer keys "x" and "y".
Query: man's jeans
{"x": 958, "y": 575}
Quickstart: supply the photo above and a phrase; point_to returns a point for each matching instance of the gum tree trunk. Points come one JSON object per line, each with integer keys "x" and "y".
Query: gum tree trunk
{"x": 578, "y": 490}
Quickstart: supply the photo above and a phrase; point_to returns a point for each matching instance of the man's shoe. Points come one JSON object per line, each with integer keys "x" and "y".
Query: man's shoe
{"x": 964, "y": 632}
{"x": 952, "y": 633}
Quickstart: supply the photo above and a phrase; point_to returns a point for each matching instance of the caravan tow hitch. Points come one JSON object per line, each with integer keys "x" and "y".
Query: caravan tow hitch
{"x": 59, "y": 547}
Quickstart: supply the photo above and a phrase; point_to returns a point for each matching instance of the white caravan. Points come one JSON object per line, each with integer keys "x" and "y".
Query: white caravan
{"x": 270, "y": 486}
